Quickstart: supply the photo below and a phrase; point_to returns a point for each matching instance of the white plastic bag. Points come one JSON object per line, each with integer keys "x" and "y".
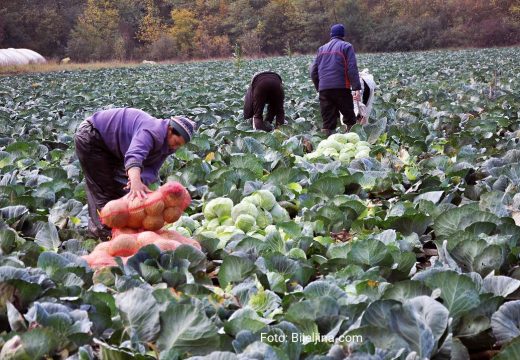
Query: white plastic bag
{"x": 362, "y": 110}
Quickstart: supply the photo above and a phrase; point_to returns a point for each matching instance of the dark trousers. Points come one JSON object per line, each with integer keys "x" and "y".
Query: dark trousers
{"x": 100, "y": 168}
{"x": 334, "y": 101}
{"x": 268, "y": 90}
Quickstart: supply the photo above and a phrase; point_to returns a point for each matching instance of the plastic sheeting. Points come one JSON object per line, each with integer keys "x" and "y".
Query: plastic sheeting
{"x": 19, "y": 57}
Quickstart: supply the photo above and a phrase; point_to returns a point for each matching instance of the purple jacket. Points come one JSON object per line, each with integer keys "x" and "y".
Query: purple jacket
{"x": 135, "y": 137}
{"x": 335, "y": 67}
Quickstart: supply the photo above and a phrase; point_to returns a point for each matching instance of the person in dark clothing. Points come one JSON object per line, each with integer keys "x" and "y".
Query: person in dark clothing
{"x": 266, "y": 88}
{"x": 335, "y": 75}
{"x": 121, "y": 152}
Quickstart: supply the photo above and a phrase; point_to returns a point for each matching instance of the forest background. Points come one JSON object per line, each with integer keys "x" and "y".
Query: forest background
{"x": 99, "y": 30}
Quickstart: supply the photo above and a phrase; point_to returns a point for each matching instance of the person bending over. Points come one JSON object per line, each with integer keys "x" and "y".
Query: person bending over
{"x": 121, "y": 151}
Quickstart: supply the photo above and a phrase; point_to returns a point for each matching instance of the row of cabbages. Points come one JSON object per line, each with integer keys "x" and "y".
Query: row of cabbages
{"x": 254, "y": 216}
{"x": 342, "y": 147}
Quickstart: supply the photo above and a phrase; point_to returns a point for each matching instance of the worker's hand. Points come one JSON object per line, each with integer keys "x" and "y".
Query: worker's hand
{"x": 356, "y": 95}
{"x": 362, "y": 120}
{"x": 138, "y": 190}
{"x": 136, "y": 186}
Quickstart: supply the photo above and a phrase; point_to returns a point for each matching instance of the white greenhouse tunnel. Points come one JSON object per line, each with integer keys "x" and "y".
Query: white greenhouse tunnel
{"x": 20, "y": 57}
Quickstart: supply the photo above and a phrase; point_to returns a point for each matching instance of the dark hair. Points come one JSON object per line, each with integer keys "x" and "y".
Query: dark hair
{"x": 174, "y": 131}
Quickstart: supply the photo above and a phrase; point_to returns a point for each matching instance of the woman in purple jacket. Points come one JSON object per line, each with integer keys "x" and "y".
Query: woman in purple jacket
{"x": 121, "y": 152}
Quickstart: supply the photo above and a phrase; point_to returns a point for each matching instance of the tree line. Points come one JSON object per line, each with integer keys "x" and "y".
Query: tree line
{"x": 94, "y": 30}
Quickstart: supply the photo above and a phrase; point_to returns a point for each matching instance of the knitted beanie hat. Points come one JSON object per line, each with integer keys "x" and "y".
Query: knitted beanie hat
{"x": 337, "y": 30}
{"x": 184, "y": 126}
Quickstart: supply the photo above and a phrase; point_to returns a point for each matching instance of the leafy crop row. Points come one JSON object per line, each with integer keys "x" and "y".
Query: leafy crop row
{"x": 412, "y": 246}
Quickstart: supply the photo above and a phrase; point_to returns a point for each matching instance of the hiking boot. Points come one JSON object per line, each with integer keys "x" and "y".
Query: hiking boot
{"x": 259, "y": 124}
{"x": 307, "y": 146}
{"x": 102, "y": 234}
{"x": 327, "y": 132}
{"x": 280, "y": 122}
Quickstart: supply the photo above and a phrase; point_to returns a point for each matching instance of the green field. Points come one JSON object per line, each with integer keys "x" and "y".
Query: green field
{"x": 415, "y": 249}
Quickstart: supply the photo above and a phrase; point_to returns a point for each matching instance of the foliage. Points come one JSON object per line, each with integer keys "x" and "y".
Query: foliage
{"x": 207, "y": 29}
{"x": 96, "y": 33}
{"x": 183, "y": 30}
{"x": 150, "y": 27}
{"x": 412, "y": 248}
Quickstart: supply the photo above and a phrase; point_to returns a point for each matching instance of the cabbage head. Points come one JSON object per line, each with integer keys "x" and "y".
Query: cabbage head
{"x": 352, "y": 137}
{"x": 183, "y": 231}
{"x": 218, "y": 208}
{"x": 267, "y": 199}
{"x": 348, "y": 147}
{"x": 297, "y": 253}
{"x": 209, "y": 234}
{"x": 257, "y": 236}
{"x": 212, "y": 224}
{"x": 227, "y": 221}
{"x": 270, "y": 229}
{"x": 244, "y": 208}
{"x": 188, "y": 223}
{"x": 362, "y": 154}
{"x": 330, "y": 152}
{"x": 245, "y": 222}
{"x": 228, "y": 230}
{"x": 362, "y": 148}
{"x": 279, "y": 214}
{"x": 345, "y": 157}
{"x": 341, "y": 138}
{"x": 254, "y": 199}
{"x": 264, "y": 219}
{"x": 313, "y": 155}
{"x": 329, "y": 144}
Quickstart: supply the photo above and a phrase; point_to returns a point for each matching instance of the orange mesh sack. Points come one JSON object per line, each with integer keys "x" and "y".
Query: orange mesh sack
{"x": 139, "y": 222}
{"x": 174, "y": 235}
{"x": 99, "y": 260}
{"x": 175, "y": 195}
{"x": 164, "y": 206}
{"x": 125, "y": 245}
{"x": 115, "y": 213}
{"x": 118, "y": 231}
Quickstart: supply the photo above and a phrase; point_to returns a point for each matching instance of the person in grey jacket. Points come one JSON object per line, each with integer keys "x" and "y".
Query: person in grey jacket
{"x": 335, "y": 75}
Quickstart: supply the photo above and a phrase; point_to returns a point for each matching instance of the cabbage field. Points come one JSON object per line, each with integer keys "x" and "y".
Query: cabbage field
{"x": 400, "y": 242}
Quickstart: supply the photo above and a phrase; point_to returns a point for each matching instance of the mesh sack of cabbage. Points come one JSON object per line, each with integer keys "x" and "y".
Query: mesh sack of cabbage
{"x": 163, "y": 206}
{"x": 127, "y": 242}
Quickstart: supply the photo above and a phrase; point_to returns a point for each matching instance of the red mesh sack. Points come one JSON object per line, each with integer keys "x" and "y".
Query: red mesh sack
{"x": 167, "y": 245}
{"x": 148, "y": 237}
{"x": 98, "y": 260}
{"x": 115, "y": 213}
{"x": 139, "y": 222}
{"x": 174, "y": 235}
{"x": 164, "y": 206}
{"x": 116, "y": 232}
{"x": 175, "y": 195}
{"x": 123, "y": 245}
{"x": 127, "y": 244}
